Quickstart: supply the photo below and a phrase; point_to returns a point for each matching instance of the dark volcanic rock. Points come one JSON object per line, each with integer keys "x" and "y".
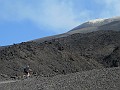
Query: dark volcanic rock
{"x": 74, "y": 53}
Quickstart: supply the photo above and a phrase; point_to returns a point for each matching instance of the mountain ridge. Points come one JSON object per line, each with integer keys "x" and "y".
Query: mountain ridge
{"x": 97, "y": 22}
{"x": 106, "y": 24}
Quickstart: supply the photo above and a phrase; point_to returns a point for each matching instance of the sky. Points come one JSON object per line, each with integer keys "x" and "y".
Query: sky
{"x": 24, "y": 20}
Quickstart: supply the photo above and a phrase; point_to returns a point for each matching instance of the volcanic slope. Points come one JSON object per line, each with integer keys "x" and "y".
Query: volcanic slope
{"x": 70, "y": 54}
{"x": 97, "y": 24}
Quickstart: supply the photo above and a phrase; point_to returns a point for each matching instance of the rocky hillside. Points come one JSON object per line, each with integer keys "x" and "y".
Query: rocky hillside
{"x": 70, "y": 54}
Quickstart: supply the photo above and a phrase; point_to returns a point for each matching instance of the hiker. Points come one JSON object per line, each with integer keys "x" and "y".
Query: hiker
{"x": 27, "y": 71}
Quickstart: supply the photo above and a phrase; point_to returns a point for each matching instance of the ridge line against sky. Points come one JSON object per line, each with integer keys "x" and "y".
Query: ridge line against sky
{"x": 23, "y": 20}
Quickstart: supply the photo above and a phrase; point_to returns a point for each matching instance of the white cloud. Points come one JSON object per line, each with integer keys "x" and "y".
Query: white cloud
{"x": 111, "y": 7}
{"x": 57, "y": 14}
